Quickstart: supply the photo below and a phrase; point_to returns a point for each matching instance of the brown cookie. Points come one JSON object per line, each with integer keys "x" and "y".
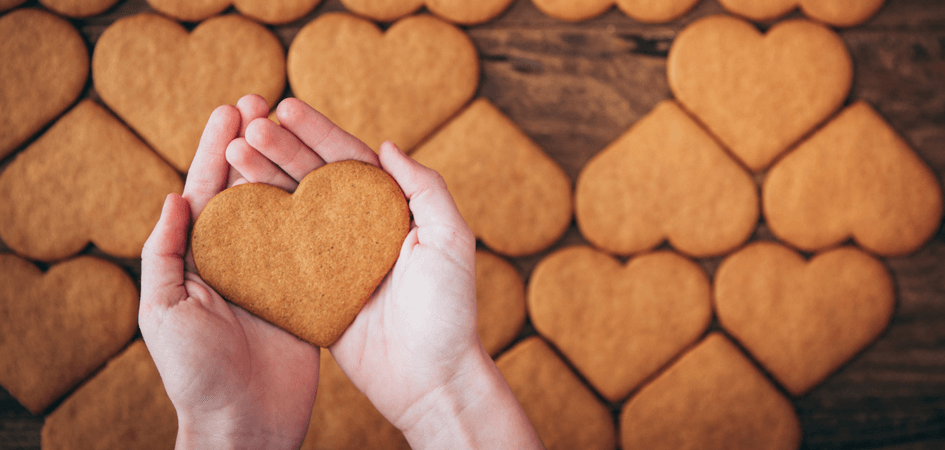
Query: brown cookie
{"x": 344, "y": 419}
{"x": 87, "y": 179}
{"x": 651, "y": 11}
{"x": 458, "y": 11}
{"x": 758, "y": 94}
{"x": 564, "y": 412}
{"x": 307, "y": 261}
{"x": 665, "y": 179}
{"x": 164, "y": 82}
{"x": 10, "y": 4}
{"x": 514, "y": 197}
{"x": 123, "y": 406}
{"x": 266, "y": 11}
{"x": 500, "y": 301}
{"x": 45, "y": 65}
{"x": 712, "y": 398}
{"x": 79, "y": 8}
{"x": 803, "y": 319}
{"x": 397, "y": 85}
{"x": 840, "y": 13}
{"x": 61, "y": 325}
{"x": 855, "y": 177}
{"x": 618, "y": 324}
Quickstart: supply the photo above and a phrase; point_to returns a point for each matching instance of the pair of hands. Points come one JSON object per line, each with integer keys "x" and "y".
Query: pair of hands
{"x": 413, "y": 349}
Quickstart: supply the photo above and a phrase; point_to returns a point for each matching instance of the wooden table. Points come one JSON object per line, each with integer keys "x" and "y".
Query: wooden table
{"x": 575, "y": 87}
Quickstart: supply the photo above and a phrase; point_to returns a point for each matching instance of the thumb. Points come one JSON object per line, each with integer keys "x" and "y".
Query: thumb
{"x": 162, "y": 263}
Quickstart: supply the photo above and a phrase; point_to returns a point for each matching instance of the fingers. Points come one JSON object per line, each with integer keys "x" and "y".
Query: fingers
{"x": 282, "y": 148}
{"x": 255, "y": 167}
{"x": 209, "y": 172}
{"x": 325, "y": 138}
{"x": 162, "y": 262}
{"x": 251, "y": 107}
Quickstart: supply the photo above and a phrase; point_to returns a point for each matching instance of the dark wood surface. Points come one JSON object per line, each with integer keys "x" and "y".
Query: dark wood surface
{"x": 574, "y": 87}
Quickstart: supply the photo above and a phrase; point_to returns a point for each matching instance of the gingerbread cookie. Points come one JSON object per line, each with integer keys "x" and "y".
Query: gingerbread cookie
{"x": 457, "y": 11}
{"x": 665, "y": 179}
{"x": 397, "y": 85}
{"x": 266, "y": 11}
{"x": 856, "y": 177}
{"x": 840, "y": 13}
{"x": 759, "y": 94}
{"x": 500, "y": 301}
{"x": 803, "y": 320}
{"x": 60, "y": 326}
{"x": 123, "y": 406}
{"x": 650, "y": 11}
{"x": 514, "y": 197}
{"x": 10, "y": 4}
{"x": 712, "y": 398}
{"x": 344, "y": 419}
{"x": 79, "y": 8}
{"x": 618, "y": 324}
{"x": 307, "y": 261}
{"x": 164, "y": 82}
{"x": 45, "y": 65}
{"x": 87, "y": 179}
{"x": 565, "y": 414}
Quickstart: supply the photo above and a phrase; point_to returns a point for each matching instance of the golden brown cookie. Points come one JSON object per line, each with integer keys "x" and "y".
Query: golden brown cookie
{"x": 10, "y": 4}
{"x": 564, "y": 412}
{"x": 803, "y": 319}
{"x": 500, "y": 301}
{"x": 61, "y": 325}
{"x": 840, "y": 13}
{"x": 618, "y": 324}
{"x": 344, "y": 419}
{"x": 397, "y": 85}
{"x": 87, "y": 179}
{"x": 712, "y": 398}
{"x": 266, "y": 11}
{"x": 514, "y": 197}
{"x": 45, "y": 65}
{"x": 164, "y": 82}
{"x": 665, "y": 179}
{"x": 122, "y": 406}
{"x": 855, "y": 177}
{"x": 457, "y": 11}
{"x": 307, "y": 261}
{"x": 651, "y": 11}
{"x": 758, "y": 94}
{"x": 79, "y": 8}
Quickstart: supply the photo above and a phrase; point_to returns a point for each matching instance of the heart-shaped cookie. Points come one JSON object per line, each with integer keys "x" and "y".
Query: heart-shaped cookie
{"x": 61, "y": 325}
{"x": 841, "y": 13}
{"x": 87, "y": 179}
{"x": 803, "y": 320}
{"x": 458, "y": 11}
{"x": 854, "y": 178}
{"x": 758, "y": 94}
{"x": 266, "y": 11}
{"x": 649, "y": 11}
{"x": 618, "y": 324}
{"x": 665, "y": 179}
{"x": 45, "y": 65}
{"x": 513, "y": 196}
{"x": 307, "y": 261}
{"x": 83, "y": 8}
{"x": 397, "y": 85}
{"x": 712, "y": 398}
{"x": 500, "y": 301}
{"x": 164, "y": 82}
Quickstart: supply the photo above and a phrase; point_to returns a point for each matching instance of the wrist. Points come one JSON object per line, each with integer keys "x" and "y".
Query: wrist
{"x": 226, "y": 433}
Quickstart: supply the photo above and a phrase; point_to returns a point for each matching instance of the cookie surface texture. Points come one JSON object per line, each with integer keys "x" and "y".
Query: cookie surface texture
{"x": 840, "y": 13}
{"x": 306, "y": 261}
{"x": 10, "y": 4}
{"x": 45, "y": 65}
{"x": 802, "y": 320}
{"x": 855, "y": 177}
{"x": 500, "y": 301}
{"x": 665, "y": 179}
{"x": 712, "y": 398}
{"x": 344, "y": 419}
{"x": 79, "y": 8}
{"x": 565, "y": 413}
{"x": 397, "y": 85}
{"x": 266, "y": 11}
{"x": 61, "y": 325}
{"x": 123, "y": 406}
{"x": 457, "y": 11}
{"x": 651, "y": 11}
{"x": 759, "y": 94}
{"x": 618, "y": 324}
{"x": 87, "y": 179}
{"x": 164, "y": 82}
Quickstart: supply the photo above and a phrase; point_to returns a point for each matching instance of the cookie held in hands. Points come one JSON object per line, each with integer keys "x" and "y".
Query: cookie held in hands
{"x": 306, "y": 261}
